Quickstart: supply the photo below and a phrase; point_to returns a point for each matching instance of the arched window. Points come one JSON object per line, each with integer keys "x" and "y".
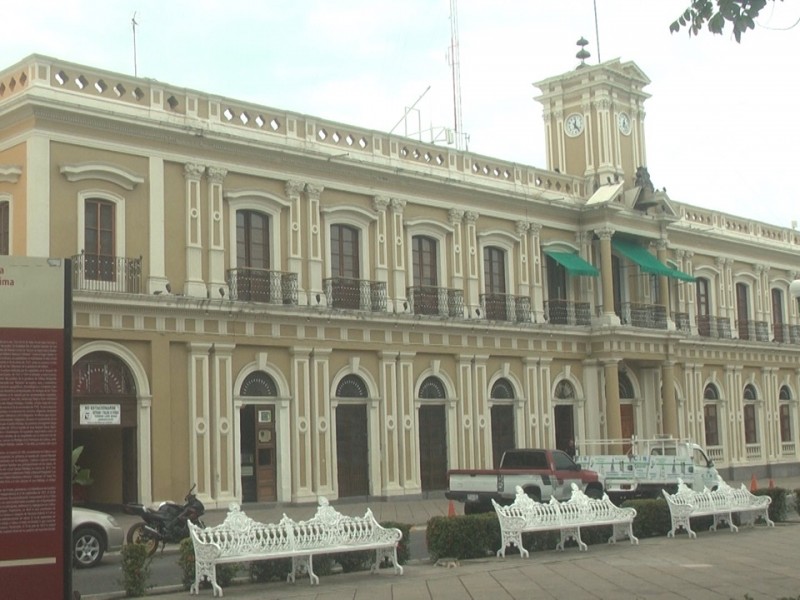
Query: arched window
{"x": 102, "y": 374}
{"x": 565, "y": 390}
{"x": 711, "y": 415}
{"x": 259, "y": 384}
{"x": 351, "y": 386}
{"x": 749, "y": 409}
{"x": 98, "y": 239}
{"x": 502, "y": 390}
{"x": 625, "y": 386}
{"x": 785, "y": 413}
{"x": 432, "y": 388}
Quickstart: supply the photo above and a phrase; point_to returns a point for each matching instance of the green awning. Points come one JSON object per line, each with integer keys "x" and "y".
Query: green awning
{"x": 573, "y": 263}
{"x": 646, "y": 261}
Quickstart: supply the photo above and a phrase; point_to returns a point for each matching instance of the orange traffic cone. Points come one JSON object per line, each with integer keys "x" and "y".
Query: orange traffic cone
{"x": 451, "y": 509}
{"x": 771, "y": 483}
{"x": 753, "y": 483}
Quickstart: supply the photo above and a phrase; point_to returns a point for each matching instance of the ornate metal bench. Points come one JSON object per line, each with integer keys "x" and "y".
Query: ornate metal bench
{"x": 240, "y": 539}
{"x": 526, "y": 515}
{"x": 719, "y": 503}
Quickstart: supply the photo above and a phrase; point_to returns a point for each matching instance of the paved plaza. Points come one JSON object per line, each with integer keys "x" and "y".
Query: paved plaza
{"x": 758, "y": 563}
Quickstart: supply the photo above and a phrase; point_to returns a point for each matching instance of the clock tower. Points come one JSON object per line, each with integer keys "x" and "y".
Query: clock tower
{"x": 594, "y": 121}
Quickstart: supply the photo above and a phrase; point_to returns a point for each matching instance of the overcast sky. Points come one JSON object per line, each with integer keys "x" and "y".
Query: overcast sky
{"x": 722, "y": 126}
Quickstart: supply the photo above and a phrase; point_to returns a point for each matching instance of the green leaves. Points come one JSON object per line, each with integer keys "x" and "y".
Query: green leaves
{"x": 716, "y": 14}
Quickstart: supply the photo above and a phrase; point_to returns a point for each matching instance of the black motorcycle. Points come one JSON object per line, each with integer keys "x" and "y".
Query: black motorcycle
{"x": 167, "y": 524}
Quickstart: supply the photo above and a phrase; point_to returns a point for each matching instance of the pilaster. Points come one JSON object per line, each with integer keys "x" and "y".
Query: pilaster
{"x": 301, "y": 432}
{"x": 194, "y": 285}
{"x": 398, "y": 267}
{"x": 217, "y": 284}
{"x": 222, "y": 442}
{"x": 472, "y": 266}
{"x": 314, "y": 256}
{"x": 294, "y": 262}
{"x": 156, "y": 277}
{"x": 200, "y": 421}
{"x": 323, "y": 456}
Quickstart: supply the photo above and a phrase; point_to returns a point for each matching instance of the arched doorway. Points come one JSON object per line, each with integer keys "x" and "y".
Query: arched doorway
{"x": 352, "y": 440}
{"x": 502, "y": 414}
{"x": 104, "y": 422}
{"x": 564, "y": 416}
{"x": 258, "y": 438}
{"x": 432, "y": 435}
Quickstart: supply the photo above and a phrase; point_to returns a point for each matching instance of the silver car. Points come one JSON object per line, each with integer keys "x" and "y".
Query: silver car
{"x": 93, "y": 534}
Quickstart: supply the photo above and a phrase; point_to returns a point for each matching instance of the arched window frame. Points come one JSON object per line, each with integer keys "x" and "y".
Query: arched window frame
{"x": 119, "y": 218}
{"x": 265, "y": 203}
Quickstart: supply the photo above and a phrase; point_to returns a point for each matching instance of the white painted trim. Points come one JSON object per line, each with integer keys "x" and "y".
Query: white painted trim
{"x": 263, "y": 203}
{"x": 103, "y": 171}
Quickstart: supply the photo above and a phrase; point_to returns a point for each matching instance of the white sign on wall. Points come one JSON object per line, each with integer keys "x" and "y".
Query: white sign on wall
{"x": 100, "y": 414}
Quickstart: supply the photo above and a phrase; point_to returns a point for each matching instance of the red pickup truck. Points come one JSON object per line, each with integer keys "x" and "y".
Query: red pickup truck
{"x": 542, "y": 474}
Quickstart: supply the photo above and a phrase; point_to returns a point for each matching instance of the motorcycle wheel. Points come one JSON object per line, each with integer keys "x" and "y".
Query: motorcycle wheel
{"x": 137, "y": 534}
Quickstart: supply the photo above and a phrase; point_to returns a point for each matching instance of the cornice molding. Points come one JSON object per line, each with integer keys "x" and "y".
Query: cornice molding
{"x": 10, "y": 173}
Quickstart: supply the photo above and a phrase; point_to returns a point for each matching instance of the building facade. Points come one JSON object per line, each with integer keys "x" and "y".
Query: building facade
{"x": 275, "y": 307}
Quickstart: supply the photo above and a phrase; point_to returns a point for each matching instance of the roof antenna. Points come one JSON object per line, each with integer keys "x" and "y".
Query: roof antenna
{"x": 133, "y": 25}
{"x": 597, "y": 32}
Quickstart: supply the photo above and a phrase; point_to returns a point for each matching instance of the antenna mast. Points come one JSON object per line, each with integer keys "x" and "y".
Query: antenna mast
{"x": 133, "y": 25}
{"x": 456, "y": 72}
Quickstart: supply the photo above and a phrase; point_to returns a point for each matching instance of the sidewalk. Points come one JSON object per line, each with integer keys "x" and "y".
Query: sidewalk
{"x": 758, "y": 562}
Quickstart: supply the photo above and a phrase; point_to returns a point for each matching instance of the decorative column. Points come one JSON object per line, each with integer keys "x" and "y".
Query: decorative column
{"x": 472, "y": 300}
{"x": 609, "y": 317}
{"x": 390, "y": 425}
{"x": 523, "y": 287}
{"x": 613, "y": 416}
{"x": 592, "y": 409}
{"x": 216, "y": 237}
{"x": 584, "y": 285}
{"x": 156, "y": 278}
{"x": 323, "y": 460}
{"x": 294, "y": 263}
{"x": 467, "y": 447}
{"x": 535, "y": 267}
{"x": 222, "y": 441}
{"x": 663, "y": 282}
{"x": 199, "y": 421}
{"x": 381, "y": 273}
{"x": 456, "y": 217}
{"x": 314, "y": 255}
{"x": 483, "y": 422}
{"x": 733, "y": 391}
{"x": 406, "y": 424}
{"x": 669, "y": 406}
{"x": 194, "y": 285}
{"x": 301, "y": 384}
{"x": 398, "y": 245}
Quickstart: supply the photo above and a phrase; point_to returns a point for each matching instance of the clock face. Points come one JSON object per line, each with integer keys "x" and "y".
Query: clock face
{"x": 573, "y": 126}
{"x": 624, "y": 123}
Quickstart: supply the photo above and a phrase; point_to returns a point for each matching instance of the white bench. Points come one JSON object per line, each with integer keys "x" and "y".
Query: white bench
{"x": 526, "y": 515}
{"x": 719, "y": 503}
{"x": 241, "y": 539}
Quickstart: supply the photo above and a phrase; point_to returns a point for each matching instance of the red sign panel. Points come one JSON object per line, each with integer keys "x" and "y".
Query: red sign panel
{"x": 34, "y": 467}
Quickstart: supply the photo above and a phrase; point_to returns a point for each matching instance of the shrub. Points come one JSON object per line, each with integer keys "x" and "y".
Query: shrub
{"x": 469, "y": 536}
{"x": 778, "y": 508}
{"x": 652, "y": 517}
{"x": 264, "y": 571}
{"x": 403, "y": 548}
{"x": 135, "y": 570}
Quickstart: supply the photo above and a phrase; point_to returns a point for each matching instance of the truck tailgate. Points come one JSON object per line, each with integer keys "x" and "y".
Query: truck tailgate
{"x": 473, "y": 481}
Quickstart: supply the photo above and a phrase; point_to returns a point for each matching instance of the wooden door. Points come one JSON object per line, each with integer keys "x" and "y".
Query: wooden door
{"x": 565, "y": 427}
{"x": 502, "y": 431}
{"x": 247, "y": 446}
{"x": 627, "y": 422}
{"x": 433, "y": 447}
{"x": 352, "y": 450}
{"x": 265, "y": 467}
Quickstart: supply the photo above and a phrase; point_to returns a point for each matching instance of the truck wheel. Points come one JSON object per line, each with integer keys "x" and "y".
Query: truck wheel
{"x": 534, "y": 494}
{"x": 594, "y": 492}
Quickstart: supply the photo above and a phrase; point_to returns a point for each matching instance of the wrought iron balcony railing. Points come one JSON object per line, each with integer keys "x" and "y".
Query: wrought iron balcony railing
{"x": 506, "y": 307}
{"x": 260, "y": 285}
{"x": 442, "y": 302}
{"x": 100, "y": 273}
{"x": 650, "y": 316}
{"x": 713, "y": 327}
{"x": 355, "y": 294}
{"x": 565, "y": 312}
{"x": 753, "y": 330}
{"x": 682, "y": 323}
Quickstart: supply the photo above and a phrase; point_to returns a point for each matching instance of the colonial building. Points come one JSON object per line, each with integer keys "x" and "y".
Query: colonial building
{"x": 273, "y": 306}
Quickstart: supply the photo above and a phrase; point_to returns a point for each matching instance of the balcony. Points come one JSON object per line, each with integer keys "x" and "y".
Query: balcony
{"x": 564, "y": 312}
{"x": 648, "y": 316}
{"x": 436, "y": 301}
{"x": 713, "y": 327}
{"x": 100, "y": 273}
{"x": 506, "y": 307}
{"x": 682, "y": 323}
{"x": 260, "y": 285}
{"x": 753, "y": 330}
{"x": 355, "y": 294}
